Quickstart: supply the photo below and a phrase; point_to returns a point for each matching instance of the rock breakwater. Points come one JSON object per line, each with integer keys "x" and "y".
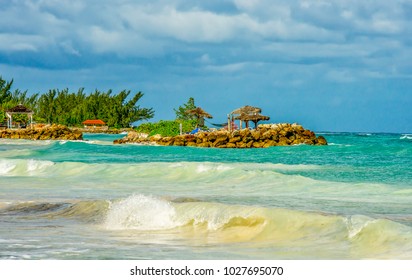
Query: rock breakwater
{"x": 47, "y": 132}
{"x": 267, "y": 135}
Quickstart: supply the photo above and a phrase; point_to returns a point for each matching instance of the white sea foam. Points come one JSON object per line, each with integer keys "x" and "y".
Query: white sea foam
{"x": 20, "y": 142}
{"x": 406, "y": 136}
{"x": 21, "y": 167}
{"x": 6, "y": 166}
{"x": 142, "y": 213}
{"x": 35, "y": 166}
{"x": 342, "y": 145}
{"x": 357, "y": 223}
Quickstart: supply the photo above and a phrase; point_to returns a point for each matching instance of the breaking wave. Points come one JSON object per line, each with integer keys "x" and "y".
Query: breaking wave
{"x": 406, "y": 137}
{"x": 214, "y": 223}
{"x": 182, "y": 170}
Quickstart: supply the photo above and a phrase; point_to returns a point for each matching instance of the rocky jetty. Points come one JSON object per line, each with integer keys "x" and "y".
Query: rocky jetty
{"x": 267, "y": 135}
{"x": 47, "y": 132}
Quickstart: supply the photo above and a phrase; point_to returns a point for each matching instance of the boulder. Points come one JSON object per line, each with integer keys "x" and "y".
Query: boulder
{"x": 321, "y": 141}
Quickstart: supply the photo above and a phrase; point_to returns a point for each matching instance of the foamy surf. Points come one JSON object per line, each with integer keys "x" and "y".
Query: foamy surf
{"x": 141, "y": 213}
{"x": 224, "y": 223}
{"x": 30, "y": 167}
{"x": 150, "y": 219}
{"x": 406, "y": 137}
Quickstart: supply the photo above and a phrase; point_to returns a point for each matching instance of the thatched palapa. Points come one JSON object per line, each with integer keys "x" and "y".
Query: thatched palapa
{"x": 248, "y": 113}
{"x": 246, "y": 110}
{"x": 19, "y": 109}
{"x": 200, "y": 114}
{"x": 254, "y": 117}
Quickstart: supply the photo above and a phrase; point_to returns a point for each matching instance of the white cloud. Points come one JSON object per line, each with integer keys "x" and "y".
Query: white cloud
{"x": 228, "y": 68}
{"x": 119, "y": 42}
{"x": 18, "y": 43}
{"x": 194, "y": 26}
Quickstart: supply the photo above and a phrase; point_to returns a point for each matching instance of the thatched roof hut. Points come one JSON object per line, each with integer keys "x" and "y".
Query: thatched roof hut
{"x": 254, "y": 117}
{"x": 19, "y": 109}
{"x": 246, "y": 110}
{"x": 200, "y": 114}
{"x": 248, "y": 113}
{"x": 93, "y": 122}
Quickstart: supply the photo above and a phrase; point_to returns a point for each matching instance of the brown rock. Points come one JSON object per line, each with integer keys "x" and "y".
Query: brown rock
{"x": 230, "y": 145}
{"x": 235, "y": 139}
{"x": 256, "y": 134}
{"x": 204, "y": 145}
{"x": 258, "y": 144}
{"x": 191, "y": 144}
{"x": 241, "y": 145}
{"x": 249, "y": 144}
{"x": 283, "y": 141}
{"x": 269, "y": 143}
{"x": 321, "y": 141}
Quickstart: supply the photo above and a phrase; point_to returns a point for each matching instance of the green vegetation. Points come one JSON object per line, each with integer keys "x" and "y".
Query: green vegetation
{"x": 181, "y": 112}
{"x": 72, "y": 108}
{"x": 167, "y": 128}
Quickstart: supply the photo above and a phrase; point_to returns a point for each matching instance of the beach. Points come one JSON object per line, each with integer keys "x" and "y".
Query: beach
{"x": 92, "y": 199}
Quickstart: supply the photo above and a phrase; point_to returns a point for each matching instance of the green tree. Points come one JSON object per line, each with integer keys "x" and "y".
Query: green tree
{"x": 72, "y": 108}
{"x": 5, "y": 93}
{"x": 181, "y": 112}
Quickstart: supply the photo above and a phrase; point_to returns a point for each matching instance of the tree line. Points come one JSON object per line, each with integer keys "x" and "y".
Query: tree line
{"x": 72, "y": 108}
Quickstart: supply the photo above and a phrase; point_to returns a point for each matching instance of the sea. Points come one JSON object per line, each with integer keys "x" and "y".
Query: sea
{"x": 92, "y": 200}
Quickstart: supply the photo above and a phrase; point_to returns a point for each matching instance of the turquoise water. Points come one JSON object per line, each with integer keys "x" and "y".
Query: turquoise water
{"x": 95, "y": 200}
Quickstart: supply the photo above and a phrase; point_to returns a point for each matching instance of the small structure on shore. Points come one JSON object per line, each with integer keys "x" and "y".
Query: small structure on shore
{"x": 254, "y": 117}
{"x": 93, "y": 123}
{"x": 245, "y": 114}
{"x": 19, "y": 109}
{"x": 200, "y": 115}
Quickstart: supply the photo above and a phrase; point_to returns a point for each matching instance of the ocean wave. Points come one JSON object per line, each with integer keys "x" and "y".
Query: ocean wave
{"x": 406, "y": 137}
{"x": 226, "y": 223}
{"x": 179, "y": 170}
{"x": 214, "y": 223}
{"x": 89, "y": 142}
{"x": 141, "y": 212}
{"x": 20, "y": 167}
{"x": 86, "y": 210}
{"x": 341, "y": 145}
{"x": 16, "y": 152}
{"x": 20, "y": 142}
{"x": 145, "y": 216}
{"x": 250, "y": 180}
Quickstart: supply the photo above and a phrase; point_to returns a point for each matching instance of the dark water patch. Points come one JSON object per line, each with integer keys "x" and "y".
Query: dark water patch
{"x": 33, "y": 208}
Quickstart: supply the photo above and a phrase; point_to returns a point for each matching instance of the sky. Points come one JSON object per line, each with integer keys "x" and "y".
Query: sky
{"x": 328, "y": 65}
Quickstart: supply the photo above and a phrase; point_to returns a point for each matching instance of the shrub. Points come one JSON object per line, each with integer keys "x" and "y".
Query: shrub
{"x": 167, "y": 128}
